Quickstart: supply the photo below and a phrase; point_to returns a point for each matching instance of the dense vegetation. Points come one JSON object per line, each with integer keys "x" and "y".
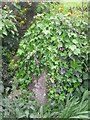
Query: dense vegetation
{"x": 56, "y": 43}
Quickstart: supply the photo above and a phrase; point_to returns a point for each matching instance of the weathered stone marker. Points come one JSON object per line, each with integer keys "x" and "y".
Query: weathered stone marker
{"x": 39, "y": 89}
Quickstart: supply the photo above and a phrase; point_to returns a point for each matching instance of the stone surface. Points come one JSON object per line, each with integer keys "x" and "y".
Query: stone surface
{"x": 39, "y": 89}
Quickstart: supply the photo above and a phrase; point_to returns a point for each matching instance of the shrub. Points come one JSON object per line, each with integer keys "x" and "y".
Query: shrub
{"x": 9, "y": 37}
{"x": 24, "y": 107}
{"x": 58, "y": 44}
{"x": 8, "y": 30}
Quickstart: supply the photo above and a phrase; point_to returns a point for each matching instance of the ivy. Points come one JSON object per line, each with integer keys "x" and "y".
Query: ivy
{"x": 58, "y": 44}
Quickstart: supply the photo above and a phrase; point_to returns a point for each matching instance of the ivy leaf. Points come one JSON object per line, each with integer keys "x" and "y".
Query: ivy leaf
{"x": 46, "y": 31}
{"x": 73, "y": 47}
{"x": 40, "y": 25}
{"x": 20, "y": 51}
{"x": 75, "y": 41}
{"x": 77, "y": 51}
{"x": 60, "y": 45}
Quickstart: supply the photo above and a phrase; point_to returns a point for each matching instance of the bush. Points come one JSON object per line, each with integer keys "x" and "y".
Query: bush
{"x": 9, "y": 36}
{"x": 23, "y": 107}
{"x": 8, "y": 30}
{"x": 59, "y": 45}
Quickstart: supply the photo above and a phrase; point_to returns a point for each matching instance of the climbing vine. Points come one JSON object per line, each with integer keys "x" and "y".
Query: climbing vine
{"x": 59, "y": 45}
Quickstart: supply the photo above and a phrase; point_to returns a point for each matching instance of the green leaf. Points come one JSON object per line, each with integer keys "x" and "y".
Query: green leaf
{"x": 85, "y": 76}
{"x": 41, "y": 111}
{"x": 1, "y": 25}
{"x": 72, "y": 47}
{"x": 27, "y": 113}
{"x": 75, "y": 41}
{"x": 77, "y": 51}
{"x": 46, "y": 31}
{"x": 60, "y": 45}
{"x": 4, "y": 31}
{"x": 20, "y": 51}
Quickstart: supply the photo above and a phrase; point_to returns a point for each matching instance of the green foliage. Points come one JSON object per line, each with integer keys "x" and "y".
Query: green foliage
{"x": 58, "y": 44}
{"x": 74, "y": 108}
{"x": 8, "y": 30}
{"x": 9, "y": 37}
{"x": 55, "y": 43}
{"x": 20, "y": 107}
{"x": 43, "y": 7}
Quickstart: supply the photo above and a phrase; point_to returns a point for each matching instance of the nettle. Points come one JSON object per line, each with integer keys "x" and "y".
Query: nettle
{"x": 58, "y": 44}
